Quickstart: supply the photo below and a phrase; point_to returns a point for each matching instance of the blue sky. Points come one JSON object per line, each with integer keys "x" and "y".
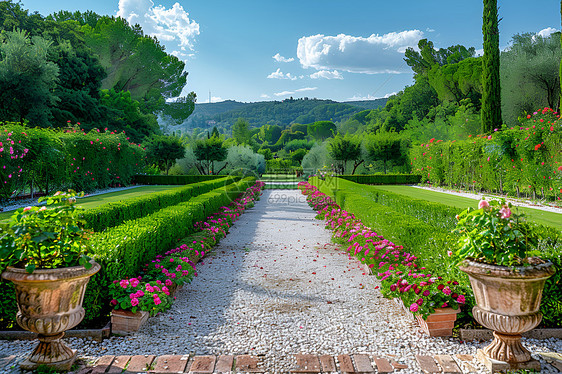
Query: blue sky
{"x": 326, "y": 49}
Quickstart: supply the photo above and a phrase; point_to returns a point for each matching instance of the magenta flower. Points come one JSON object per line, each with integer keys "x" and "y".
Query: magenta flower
{"x": 447, "y": 290}
{"x": 134, "y": 302}
{"x": 414, "y": 307}
{"x": 461, "y": 299}
{"x": 124, "y": 283}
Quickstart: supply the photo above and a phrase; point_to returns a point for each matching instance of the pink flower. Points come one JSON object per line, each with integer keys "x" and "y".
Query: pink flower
{"x": 134, "y": 302}
{"x": 449, "y": 253}
{"x": 124, "y": 283}
{"x": 134, "y": 282}
{"x": 169, "y": 282}
{"x": 461, "y": 299}
{"x": 447, "y": 290}
{"x": 425, "y": 293}
{"x": 483, "y": 204}
{"x": 149, "y": 288}
{"x": 157, "y": 301}
{"x": 414, "y": 307}
{"x": 419, "y": 301}
{"x": 26, "y": 208}
{"x": 113, "y": 302}
{"x": 505, "y": 212}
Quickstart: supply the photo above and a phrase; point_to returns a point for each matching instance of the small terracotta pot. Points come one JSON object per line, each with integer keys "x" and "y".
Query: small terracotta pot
{"x": 49, "y": 303}
{"x": 440, "y": 323}
{"x": 125, "y": 322}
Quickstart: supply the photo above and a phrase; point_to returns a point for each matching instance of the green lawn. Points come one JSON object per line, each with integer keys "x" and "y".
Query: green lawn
{"x": 539, "y": 216}
{"x": 95, "y": 201}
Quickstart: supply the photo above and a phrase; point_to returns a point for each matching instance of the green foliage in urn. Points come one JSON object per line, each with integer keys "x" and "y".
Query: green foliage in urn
{"x": 46, "y": 237}
{"x": 495, "y": 235}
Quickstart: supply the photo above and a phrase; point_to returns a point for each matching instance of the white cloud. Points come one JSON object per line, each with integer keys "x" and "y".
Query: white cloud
{"x": 284, "y": 93}
{"x": 306, "y": 89}
{"x": 545, "y": 33}
{"x": 372, "y": 55}
{"x": 278, "y": 74}
{"x": 326, "y": 74}
{"x": 216, "y": 99}
{"x": 265, "y": 96}
{"x": 171, "y": 24}
{"x": 280, "y": 58}
{"x": 430, "y": 30}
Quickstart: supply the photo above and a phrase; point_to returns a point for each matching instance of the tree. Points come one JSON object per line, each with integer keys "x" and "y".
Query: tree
{"x": 133, "y": 61}
{"x": 177, "y": 111}
{"x": 208, "y": 151}
{"x": 491, "y": 90}
{"x": 241, "y": 132}
{"x": 321, "y": 130}
{"x": 530, "y": 74}
{"x": 560, "y": 80}
{"x": 345, "y": 149}
{"x": 27, "y": 79}
{"x": 458, "y": 81}
{"x": 421, "y": 62}
{"x": 164, "y": 150}
{"x": 385, "y": 147}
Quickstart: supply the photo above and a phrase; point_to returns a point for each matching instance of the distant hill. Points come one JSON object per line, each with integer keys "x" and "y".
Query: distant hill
{"x": 368, "y": 104}
{"x": 282, "y": 113}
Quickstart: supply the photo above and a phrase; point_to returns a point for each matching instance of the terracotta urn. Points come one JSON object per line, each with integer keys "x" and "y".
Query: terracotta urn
{"x": 508, "y": 301}
{"x": 49, "y": 303}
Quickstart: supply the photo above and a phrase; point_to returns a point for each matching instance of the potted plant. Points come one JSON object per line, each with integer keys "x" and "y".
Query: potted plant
{"x": 43, "y": 251}
{"x": 497, "y": 249}
{"x": 134, "y": 301}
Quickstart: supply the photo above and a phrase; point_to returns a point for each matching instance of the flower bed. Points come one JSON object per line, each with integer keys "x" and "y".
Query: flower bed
{"x": 420, "y": 291}
{"x": 151, "y": 291}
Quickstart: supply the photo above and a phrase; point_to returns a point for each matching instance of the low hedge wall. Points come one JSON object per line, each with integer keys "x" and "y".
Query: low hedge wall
{"x": 113, "y": 214}
{"x": 383, "y": 178}
{"x": 123, "y": 250}
{"x": 423, "y": 228}
{"x": 173, "y": 179}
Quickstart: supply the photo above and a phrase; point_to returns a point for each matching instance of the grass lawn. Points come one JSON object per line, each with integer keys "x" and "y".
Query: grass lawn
{"x": 95, "y": 201}
{"x": 539, "y": 216}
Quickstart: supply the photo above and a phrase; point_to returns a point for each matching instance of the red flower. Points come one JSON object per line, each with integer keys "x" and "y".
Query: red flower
{"x": 440, "y": 287}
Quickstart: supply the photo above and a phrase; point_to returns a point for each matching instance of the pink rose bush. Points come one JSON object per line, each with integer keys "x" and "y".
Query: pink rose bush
{"x": 152, "y": 290}
{"x": 398, "y": 270}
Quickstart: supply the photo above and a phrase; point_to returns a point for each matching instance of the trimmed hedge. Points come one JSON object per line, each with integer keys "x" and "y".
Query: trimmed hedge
{"x": 173, "y": 179}
{"x": 123, "y": 250}
{"x": 423, "y": 228}
{"x": 383, "y": 178}
{"x": 113, "y": 214}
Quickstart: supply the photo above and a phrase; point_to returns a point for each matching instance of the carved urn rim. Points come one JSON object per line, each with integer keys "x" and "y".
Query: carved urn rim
{"x": 536, "y": 269}
{"x": 15, "y": 274}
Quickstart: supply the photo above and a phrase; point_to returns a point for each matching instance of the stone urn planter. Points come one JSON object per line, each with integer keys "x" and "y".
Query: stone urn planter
{"x": 49, "y": 303}
{"x": 507, "y": 302}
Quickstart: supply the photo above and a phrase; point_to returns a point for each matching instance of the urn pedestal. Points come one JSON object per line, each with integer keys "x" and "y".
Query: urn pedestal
{"x": 49, "y": 303}
{"x": 507, "y": 302}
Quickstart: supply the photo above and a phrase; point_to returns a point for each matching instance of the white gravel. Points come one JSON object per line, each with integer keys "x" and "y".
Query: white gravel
{"x": 538, "y": 204}
{"x": 274, "y": 287}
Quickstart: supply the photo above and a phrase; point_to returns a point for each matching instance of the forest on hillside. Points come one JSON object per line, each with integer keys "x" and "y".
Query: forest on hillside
{"x": 282, "y": 113}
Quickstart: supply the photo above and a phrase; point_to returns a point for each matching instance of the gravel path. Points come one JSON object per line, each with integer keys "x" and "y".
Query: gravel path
{"x": 275, "y": 286}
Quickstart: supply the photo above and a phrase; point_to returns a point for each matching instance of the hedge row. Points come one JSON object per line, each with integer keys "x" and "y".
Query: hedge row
{"x": 423, "y": 228}
{"x": 526, "y": 160}
{"x": 383, "y": 178}
{"x": 173, "y": 179}
{"x": 123, "y": 250}
{"x": 49, "y": 160}
{"x": 113, "y": 214}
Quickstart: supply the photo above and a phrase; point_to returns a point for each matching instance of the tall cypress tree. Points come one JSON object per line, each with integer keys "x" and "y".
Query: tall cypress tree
{"x": 491, "y": 91}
